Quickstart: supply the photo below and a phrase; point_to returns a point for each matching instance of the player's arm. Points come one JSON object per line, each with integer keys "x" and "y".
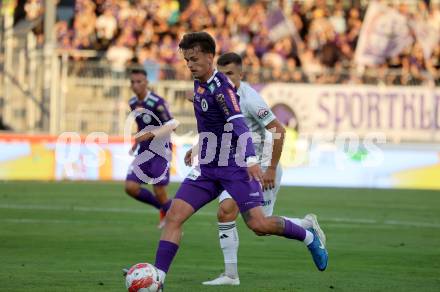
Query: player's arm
{"x": 135, "y": 144}
{"x": 133, "y": 148}
{"x": 265, "y": 117}
{"x": 190, "y": 154}
{"x": 158, "y": 132}
{"x": 143, "y": 136}
{"x": 227, "y": 99}
{"x": 278, "y": 134}
{"x": 169, "y": 124}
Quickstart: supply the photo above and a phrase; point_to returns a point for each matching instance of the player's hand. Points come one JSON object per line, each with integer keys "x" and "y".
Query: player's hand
{"x": 188, "y": 158}
{"x": 269, "y": 179}
{"x": 255, "y": 173}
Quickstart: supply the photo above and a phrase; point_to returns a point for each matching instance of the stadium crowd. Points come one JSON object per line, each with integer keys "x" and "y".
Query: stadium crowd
{"x": 147, "y": 32}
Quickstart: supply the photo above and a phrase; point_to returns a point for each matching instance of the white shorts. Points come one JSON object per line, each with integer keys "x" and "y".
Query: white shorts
{"x": 270, "y": 196}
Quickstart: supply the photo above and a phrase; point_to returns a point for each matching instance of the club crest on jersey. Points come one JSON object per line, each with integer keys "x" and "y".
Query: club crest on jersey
{"x": 200, "y": 90}
{"x": 204, "y": 105}
{"x": 146, "y": 119}
{"x": 263, "y": 113}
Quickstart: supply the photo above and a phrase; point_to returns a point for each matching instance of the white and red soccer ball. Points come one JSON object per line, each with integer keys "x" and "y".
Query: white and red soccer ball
{"x": 143, "y": 277}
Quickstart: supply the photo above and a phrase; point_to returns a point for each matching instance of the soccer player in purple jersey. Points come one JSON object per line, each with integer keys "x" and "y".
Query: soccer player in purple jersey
{"x": 260, "y": 120}
{"x": 151, "y": 113}
{"x": 226, "y": 161}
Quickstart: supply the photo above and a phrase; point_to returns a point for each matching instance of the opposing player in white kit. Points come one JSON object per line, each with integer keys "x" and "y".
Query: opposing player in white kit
{"x": 260, "y": 119}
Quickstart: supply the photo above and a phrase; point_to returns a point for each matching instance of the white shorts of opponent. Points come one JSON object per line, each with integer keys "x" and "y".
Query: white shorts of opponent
{"x": 270, "y": 196}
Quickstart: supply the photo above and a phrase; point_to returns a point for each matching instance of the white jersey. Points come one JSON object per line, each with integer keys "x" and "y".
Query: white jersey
{"x": 257, "y": 115}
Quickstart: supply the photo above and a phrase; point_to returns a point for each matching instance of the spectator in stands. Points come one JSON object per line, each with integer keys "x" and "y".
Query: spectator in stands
{"x": 327, "y": 35}
{"x": 85, "y": 20}
{"x": 149, "y": 58}
{"x": 435, "y": 65}
{"x": 169, "y": 11}
{"x": 417, "y": 64}
{"x": 119, "y": 56}
{"x": 33, "y": 9}
{"x": 337, "y": 20}
{"x": 106, "y": 27}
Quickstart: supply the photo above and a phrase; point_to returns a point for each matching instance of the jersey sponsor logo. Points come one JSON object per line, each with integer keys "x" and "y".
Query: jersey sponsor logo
{"x": 234, "y": 100}
{"x": 204, "y": 105}
{"x": 200, "y": 90}
{"x": 263, "y": 113}
{"x": 217, "y": 81}
{"x": 211, "y": 87}
{"x": 146, "y": 118}
{"x": 222, "y": 103}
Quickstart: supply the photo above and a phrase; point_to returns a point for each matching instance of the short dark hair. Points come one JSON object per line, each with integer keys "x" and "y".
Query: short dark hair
{"x": 198, "y": 39}
{"x": 229, "y": 58}
{"x": 138, "y": 71}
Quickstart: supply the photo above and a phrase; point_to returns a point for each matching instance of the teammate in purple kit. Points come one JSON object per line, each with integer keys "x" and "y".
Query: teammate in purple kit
{"x": 149, "y": 167}
{"x": 227, "y": 161}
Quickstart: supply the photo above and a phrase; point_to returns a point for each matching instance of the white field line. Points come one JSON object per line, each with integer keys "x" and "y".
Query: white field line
{"x": 387, "y": 206}
{"x": 50, "y": 221}
{"x": 148, "y": 210}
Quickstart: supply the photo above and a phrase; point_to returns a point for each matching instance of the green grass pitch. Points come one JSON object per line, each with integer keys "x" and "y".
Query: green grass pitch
{"x": 76, "y": 236}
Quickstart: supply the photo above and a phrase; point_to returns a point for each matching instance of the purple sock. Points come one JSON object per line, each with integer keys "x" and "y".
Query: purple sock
{"x": 147, "y": 197}
{"x": 165, "y": 254}
{"x": 166, "y": 206}
{"x": 293, "y": 231}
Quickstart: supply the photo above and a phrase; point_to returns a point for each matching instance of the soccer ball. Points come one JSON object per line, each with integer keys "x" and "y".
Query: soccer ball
{"x": 143, "y": 277}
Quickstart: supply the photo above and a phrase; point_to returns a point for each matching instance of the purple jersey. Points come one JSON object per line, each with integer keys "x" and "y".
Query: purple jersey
{"x": 151, "y": 112}
{"x": 217, "y": 110}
